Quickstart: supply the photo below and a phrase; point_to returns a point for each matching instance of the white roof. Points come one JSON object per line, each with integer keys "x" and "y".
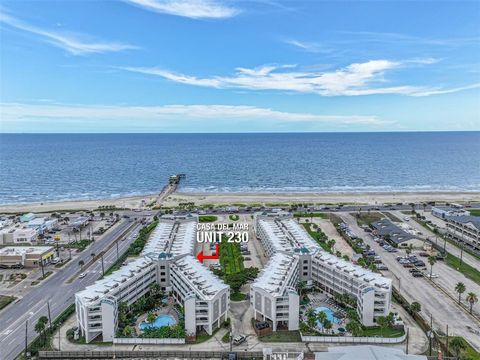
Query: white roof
{"x": 24, "y": 250}
{"x": 110, "y": 283}
{"x": 351, "y": 269}
{"x": 275, "y": 275}
{"x": 201, "y": 280}
{"x": 287, "y": 235}
{"x": 169, "y": 237}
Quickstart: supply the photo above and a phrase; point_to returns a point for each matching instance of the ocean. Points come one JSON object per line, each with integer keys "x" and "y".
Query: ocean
{"x": 53, "y": 167}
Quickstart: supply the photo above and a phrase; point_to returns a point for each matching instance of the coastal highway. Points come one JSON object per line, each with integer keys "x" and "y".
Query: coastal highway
{"x": 58, "y": 291}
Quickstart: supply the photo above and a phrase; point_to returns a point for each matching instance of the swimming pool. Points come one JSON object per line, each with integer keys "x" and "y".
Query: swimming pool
{"x": 330, "y": 314}
{"x": 161, "y": 320}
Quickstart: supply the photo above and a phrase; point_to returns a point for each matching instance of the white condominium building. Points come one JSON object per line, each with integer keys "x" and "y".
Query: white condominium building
{"x": 96, "y": 306}
{"x": 464, "y": 229}
{"x": 372, "y": 290}
{"x": 168, "y": 260}
{"x": 273, "y": 295}
{"x": 282, "y": 235}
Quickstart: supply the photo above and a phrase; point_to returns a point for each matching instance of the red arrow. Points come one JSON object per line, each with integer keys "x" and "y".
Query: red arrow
{"x": 215, "y": 255}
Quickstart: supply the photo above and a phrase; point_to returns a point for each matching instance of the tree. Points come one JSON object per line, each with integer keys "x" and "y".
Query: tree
{"x": 40, "y": 327}
{"x": 300, "y": 287}
{"x": 431, "y": 260}
{"x": 81, "y": 263}
{"x": 151, "y": 317}
{"x": 354, "y": 327}
{"x": 383, "y": 323}
{"x": 321, "y": 317}
{"x": 460, "y": 289}
{"x": 415, "y": 307}
{"x": 327, "y": 324}
{"x": 471, "y": 299}
{"x": 457, "y": 345}
{"x": 127, "y": 331}
{"x": 311, "y": 317}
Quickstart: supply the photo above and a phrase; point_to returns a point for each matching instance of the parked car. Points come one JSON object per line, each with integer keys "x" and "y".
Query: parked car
{"x": 237, "y": 340}
{"x": 382, "y": 267}
{"x": 432, "y": 276}
{"x": 417, "y": 274}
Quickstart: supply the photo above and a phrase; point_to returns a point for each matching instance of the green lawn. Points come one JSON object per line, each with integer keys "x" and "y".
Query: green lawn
{"x": 467, "y": 270}
{"x": 5, "y": 300}
{"x": 388, "y": 332}
{"x": 238, "y": 296}
{"x": 468, "y": 353}
{"x": 366, "y": 218}
{"x": 207, "y": 218}
{"x": 282, "y": 336}
{"x": 310, "y": 215}
{"x": 474, "y": 212}
{"x": 319, "y": 237}
{"x": 231, "y": 258}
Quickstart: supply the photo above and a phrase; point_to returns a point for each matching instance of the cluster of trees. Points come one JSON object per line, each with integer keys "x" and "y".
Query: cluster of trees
{"x": 237, "y": 280}
{"x": 320, "y": 318}
{"x": 177, "y": 331}
{"x": 471, "y": 297}
{"x": 320, "y": 237}
{"x": 345, "y": 300}
{"x": 137, "y": 246}
{"x": 128, "y": 314}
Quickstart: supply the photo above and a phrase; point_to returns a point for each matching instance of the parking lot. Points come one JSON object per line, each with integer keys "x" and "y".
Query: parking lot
{"x": 434, "y": 301}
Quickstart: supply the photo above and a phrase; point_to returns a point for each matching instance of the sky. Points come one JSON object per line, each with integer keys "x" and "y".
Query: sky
{"x": 239, "y": 66}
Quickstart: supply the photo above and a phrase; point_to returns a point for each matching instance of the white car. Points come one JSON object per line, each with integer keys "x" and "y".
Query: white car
{"x": 406, "y": 218}
{"x": 82, "y": 275}
{"x": 433, "y": 276}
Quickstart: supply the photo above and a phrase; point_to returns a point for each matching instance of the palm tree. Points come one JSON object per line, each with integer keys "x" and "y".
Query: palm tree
{"x": 415, "y": 307}
{"x": 151, "y": 317}
{"x": 127, "y": 331}
{"x": 301, "y": 286}
{"x": 460, "y": 289}
{"x": 40, "y": 327}
{"x": 383, "y": 323}
{"x": 81, "y": 263}
{"x": 471, "y": 299}
{"x": 321, "y": 317}
{"x": 431, "y": 260}
{"x": 327, "y": 324}
{"x": 457, "y": 345}
{"x": 311, "y": 317}
{"x": 354, "y": 327}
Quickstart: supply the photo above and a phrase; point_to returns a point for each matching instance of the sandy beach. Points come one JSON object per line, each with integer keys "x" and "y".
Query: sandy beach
{"x": 269, "y": 199}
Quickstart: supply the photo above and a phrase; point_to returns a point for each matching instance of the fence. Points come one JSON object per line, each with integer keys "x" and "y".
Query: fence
{"x": 147, "y": 341}
{"x": 354, "y": 339}
{"x": 99, "y": 355}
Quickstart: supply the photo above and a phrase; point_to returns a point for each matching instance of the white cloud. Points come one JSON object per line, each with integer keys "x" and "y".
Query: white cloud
{"x": 194, "y": 9}
{"x": 312, "y": 47}
{"x": 17, "y": 112}
{"x": 70, "y": 43}
{"x": 353, "y": 80}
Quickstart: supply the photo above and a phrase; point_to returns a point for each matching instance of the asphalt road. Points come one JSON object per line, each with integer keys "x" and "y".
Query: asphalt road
{"x": 442, "y": 308}
{"x": 57, "y": 292}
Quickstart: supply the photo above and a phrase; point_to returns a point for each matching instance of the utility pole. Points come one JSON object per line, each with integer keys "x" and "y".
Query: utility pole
{"x": 117, "y": 248}
{"x": 49, "y": 314}
{"x": 430, "y": 336}
{"x": 43, "y": 271}
{"x": 406, "y": 350}
{"x": 447, "y": 342}
{"x": 103, "y": 269}
{"x": 26, "y": 339}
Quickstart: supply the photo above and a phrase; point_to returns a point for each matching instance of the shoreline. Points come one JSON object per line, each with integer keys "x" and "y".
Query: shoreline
{"x": 203, "y": 198}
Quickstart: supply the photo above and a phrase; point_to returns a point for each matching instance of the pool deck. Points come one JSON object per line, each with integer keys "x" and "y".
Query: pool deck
{"x": 167, "y": 310}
